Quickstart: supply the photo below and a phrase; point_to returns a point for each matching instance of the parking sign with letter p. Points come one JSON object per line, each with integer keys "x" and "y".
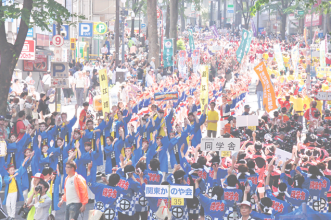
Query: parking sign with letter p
{"x": 85, "y": 29}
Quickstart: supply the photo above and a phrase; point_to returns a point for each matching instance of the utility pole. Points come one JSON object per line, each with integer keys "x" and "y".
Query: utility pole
{"x": 211, "y": 13}
{"x": 219, "y": 16}
{"x": 57, "y": 90}
{"x": 117, "y": 31}
{"x": 123, "y": 33}
{"x": 224, "y": 14}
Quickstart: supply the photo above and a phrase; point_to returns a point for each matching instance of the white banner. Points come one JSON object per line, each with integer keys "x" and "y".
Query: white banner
{"x": 220, "y": 144}
{"x": 164, "y": 190}
{"x": 182, "y": 64}
{"x": 247, "y": 120}
{"x": 282, "y": 155}
{"x": 295, "y": 58}
{"x": 325, "y": 96}
{"x": 196, "y": 60}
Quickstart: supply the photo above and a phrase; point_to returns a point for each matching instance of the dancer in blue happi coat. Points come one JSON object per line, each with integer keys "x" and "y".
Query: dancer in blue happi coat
{"x": 110, "y": 154}
{"x": 195, "y": 131}
{"x": 15, "y": 148}
{"x": 86, "y": 157}
{"x": 105, "y": 194}
{"x": 123, "y": 121}
{"x": 126, "y": 200}
{"x": 91, "y": 135}
{"x": 46, "y": 134}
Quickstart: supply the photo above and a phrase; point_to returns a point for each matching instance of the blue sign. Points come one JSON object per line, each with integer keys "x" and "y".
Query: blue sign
{"x": 261, "y": 29}
{"x": 230, "y": 10}
{"x": 63, "y": 28}
{"x": 85, "y": 29}
{"x": 143, "y": 25}
{"x": 126, "y": 24}
{"x": 320, "y": 35}
{"x": 30, "y": 32}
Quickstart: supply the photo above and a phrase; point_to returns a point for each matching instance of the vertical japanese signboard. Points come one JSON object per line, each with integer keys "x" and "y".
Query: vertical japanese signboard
{"x": 103, "y": 79}
{"x": 269, "y": 99}
{"x": 204, "y": 87}
{"x": 168, "y": 52}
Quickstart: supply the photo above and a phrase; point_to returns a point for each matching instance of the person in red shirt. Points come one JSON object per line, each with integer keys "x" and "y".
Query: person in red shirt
{"x": 285, "y": 103}
{"x": 83, "y": 116}
{"x": 20, "y": 126}
{"x": 309, "y": 114}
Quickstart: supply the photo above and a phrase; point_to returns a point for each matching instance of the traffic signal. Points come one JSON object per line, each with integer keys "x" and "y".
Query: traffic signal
{"x": 72, "y": 43}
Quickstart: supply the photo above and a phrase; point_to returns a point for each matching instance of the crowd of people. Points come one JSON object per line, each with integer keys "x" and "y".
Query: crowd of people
{"x": 52, "y": 160}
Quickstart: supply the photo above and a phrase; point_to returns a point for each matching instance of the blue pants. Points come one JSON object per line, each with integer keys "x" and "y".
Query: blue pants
{"x": 260, "y": 97}
{"x": 72, "y": 211}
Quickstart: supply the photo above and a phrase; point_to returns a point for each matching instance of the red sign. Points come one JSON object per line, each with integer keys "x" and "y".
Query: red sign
{"x": 42, "y": 40}
{"x": 37, "y": 65}
{"x": 317, "y": 20}
{"x": 158, "y": 13}
{"x": 28, "y": 50}
{"x": 58, "y": 40}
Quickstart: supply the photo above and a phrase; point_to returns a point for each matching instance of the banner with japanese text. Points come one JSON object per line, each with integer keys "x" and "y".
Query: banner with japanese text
{"x": 269, "y": 98}
{"x": 196, "y": 60}
{"x": 191, "y": 41}
{"x": 214, "y": 31}
{"x": 168, "y": 53}
{"x": 241, "y": 49}
{"x": 249, "y": 41}
{"x": 322, "y": 53}
{"x": 182, "y": 64}
{"x": 305, "y": 36}
{"x": 165, "y": 96}
{"x": 279, "y": 57}
{"x": 204, "y": 86}
{"x": 103, "y": 79}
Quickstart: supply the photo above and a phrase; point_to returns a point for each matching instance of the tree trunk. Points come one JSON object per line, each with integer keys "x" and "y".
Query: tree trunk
{"x": 10, "y": 54}
{"x": 173, "y": 22}
{"x": 152, "y": 31}
{"x": 283, "y": 26}
{"x": 182, "y": 18}
{"x": 132, "y": 27}
{"x": 167, "y": 30}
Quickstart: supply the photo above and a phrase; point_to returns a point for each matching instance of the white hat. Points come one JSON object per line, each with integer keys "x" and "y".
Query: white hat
{"x": 245, "y": 203}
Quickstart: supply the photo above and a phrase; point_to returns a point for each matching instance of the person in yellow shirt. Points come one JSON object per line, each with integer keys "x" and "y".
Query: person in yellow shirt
{"x": 212, "y": 119}
{"x": 286, "y": 59}
{"x": 13, "y": 191}
{"x": 265, "y": 55}
{"x": 291, "y": 76}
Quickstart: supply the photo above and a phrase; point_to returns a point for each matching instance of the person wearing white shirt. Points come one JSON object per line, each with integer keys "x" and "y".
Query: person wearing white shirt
{"x": 29, "y": 80}
{"x": 46, "y": 81}
{"x": 149, "y": 78}
{"x": 153, "y": 63}
{"x": 104, "y": 50}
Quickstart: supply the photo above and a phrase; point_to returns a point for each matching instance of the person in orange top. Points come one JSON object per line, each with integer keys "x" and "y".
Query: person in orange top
{"x": 283, "y": 116}
{"x": 309, "y": 114}
{"x": 75, "y": 192}
{"x": 287, "y": 104}
{"x": 83, "y": 116}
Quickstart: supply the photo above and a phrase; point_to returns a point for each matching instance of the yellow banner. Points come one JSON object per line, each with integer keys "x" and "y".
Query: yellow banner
{"x": 204, "y": 86}
{"x": 103, "y": 78}
{"x": 269, "y": 98}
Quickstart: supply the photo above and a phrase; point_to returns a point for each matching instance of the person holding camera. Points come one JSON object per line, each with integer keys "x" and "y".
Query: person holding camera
{"x": 40, "y": 200}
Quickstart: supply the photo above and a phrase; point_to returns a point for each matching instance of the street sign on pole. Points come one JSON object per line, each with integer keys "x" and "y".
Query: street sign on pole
{"x": 143, "y": 26}
{"x": 99, "y": 28}
{"x": 158, "y": 13}
{"x": 28, "y": 50}
{"x": 57, "y": 40}
{"x": 60, "y": 78}
{"x": 85, "y": 29}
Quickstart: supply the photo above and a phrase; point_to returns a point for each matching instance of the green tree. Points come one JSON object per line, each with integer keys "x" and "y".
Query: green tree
{"x": 285, "y": 7}
{"x": 33, "y": 13}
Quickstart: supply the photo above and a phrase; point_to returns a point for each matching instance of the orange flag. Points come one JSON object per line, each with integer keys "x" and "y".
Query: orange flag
{"x": 269, "y": 98}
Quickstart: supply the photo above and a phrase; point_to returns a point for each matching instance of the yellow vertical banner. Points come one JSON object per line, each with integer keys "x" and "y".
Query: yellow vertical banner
{"x": 204, "y": 86}
{"x": 103, "y": 79}
{"x": 269, "y": 98}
